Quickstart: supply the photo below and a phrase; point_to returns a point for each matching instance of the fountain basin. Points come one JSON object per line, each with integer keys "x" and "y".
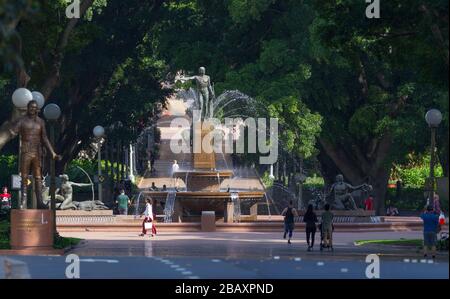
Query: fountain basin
{"x": 194, "y": 202}
{"x": 207, "y": 181}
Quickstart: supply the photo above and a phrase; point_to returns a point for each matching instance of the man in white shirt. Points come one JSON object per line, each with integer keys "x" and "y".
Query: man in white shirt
{"x": 175, "y": 169}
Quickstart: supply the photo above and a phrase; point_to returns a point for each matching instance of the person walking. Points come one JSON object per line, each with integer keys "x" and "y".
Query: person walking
{"x": 175, "y": 169}
{"x": 289, "y": 213}
{"x": 123, "y": 201}
{"x": 310, "y": 219}
{"x": 327, "y": 227}
{"x": 430, "y": 227}
{"x": 148, "y": 213}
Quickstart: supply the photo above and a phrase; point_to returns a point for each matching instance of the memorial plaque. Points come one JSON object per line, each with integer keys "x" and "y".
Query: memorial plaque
{"x": 31, "y": 229}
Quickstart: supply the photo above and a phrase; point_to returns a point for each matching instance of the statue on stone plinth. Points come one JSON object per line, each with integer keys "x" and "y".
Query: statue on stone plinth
{"x": 65, "y": 193}
{"x": 205, "y": 92}
{"x": 32, "y": 135}
{"x": 343, "y": 200}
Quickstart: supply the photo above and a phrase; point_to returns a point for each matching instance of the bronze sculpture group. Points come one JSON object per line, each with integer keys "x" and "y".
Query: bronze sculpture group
{"x": 33, "y": 137}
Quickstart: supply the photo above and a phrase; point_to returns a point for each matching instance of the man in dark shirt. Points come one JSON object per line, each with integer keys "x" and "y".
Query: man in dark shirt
{"x": 123, "y": 201}
{"x": 430, "y": 227}
{"x": 289, "y": 213}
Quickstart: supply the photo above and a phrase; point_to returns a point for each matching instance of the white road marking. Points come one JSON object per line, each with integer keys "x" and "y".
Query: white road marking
{"x": 215, "y": 261}
{"x": 297, "y": 259}
{"x": 430, "y": 261}
{"x": 424, "y": 261}
{"x": 193, "y": 277}
{"x": 174, "y": 266}
{"x": 180, "y": 269}
{"x": 406, "y": 260}
{"x": 99, "y": 260}
{"x": 276, "y": 257}
{"x": 320, "y": 264}
{"x": 414, "y": 261}
{"x": 187, "y": 273}
{"x": 344, "y": 270}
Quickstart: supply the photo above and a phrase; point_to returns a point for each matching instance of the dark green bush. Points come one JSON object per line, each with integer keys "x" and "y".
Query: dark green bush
{"x": 410, "y": 199}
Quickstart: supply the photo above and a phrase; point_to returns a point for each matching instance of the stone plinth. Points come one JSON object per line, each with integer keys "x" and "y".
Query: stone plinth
{"x": 204, "y": 156}
{"x": 31, "y": 230}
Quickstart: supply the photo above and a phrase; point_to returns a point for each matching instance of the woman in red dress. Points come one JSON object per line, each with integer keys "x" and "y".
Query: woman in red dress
{"x": 149, "y": 216}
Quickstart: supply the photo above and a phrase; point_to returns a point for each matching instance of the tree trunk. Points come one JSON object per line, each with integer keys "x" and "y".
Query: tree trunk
{"x": 114, "y": 161}
{"x": 117, "y": 161}
{"x": 127, "y": 162}
{"x": 106, "y": 157}
{"x": 122, "y": 167}
{"x": 379, "y": 184}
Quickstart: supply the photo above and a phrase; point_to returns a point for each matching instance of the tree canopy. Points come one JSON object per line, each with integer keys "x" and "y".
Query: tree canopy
{"x": 348, "y": 90}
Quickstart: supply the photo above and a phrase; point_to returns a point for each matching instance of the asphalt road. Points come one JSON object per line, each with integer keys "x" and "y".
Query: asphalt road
{"x": 231, "y": 256}
{"x": 276, "y": 267}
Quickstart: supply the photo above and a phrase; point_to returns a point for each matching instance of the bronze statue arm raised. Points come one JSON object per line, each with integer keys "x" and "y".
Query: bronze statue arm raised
{"x": 183, "y": 79}
{"x": 80, "y": 184}
{"x": 357, "y": 187}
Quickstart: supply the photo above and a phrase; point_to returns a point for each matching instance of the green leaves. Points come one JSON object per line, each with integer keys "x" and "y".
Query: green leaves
{"x": 243, "y": 11}
{"x": 299, "y": 126}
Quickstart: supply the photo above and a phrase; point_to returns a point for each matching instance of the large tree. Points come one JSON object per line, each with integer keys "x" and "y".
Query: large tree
{"x": 103, "y": 74}
{"x": 372, "y": 80}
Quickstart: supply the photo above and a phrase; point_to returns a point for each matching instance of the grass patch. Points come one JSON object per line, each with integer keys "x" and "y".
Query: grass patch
{"x": 62, "y": 242}
{"x": 399, "y": 242}
{"x": 4, "y": 234}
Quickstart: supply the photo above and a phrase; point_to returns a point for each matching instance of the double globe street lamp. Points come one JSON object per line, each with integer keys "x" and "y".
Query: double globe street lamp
{"x": 433, "y": 118}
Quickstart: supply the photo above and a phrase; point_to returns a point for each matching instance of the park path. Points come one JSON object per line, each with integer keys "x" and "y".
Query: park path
{"x": 233, "y": 245}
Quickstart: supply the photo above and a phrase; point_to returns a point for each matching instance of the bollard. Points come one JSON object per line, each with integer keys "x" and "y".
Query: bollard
{"x": 208, "y": 221}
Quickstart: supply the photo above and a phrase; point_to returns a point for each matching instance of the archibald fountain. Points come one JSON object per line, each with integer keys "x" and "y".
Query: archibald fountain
{"x": 203, "y": 179}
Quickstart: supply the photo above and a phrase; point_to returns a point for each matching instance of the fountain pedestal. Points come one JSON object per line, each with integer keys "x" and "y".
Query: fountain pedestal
{"x": 203, "y": 192}
{"x": 204, "y": 156}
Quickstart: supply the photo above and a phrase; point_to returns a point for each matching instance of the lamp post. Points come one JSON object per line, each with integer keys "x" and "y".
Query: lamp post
{"x": 433, "y": 118}
{"x": 20, "y": 98}
{"x": 99, "y": 132}
{"x": 52, "y": 112}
